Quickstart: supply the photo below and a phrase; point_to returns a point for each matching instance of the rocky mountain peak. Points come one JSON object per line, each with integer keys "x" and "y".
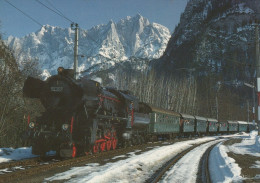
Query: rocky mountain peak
{"x": 102, "y": 46}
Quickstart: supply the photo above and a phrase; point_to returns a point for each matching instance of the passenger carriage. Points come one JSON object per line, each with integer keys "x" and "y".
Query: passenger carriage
{"x": 242, "y": 126}
{"x": 212, "y": 126}
{"x": 251, "y": 127}
{"x": 200, "y": 125}
{"x": 164, "y": 123}
{"x": 223, "y": 127}
{"x": 232, "y": 126}
{"x": 187, "y": 125}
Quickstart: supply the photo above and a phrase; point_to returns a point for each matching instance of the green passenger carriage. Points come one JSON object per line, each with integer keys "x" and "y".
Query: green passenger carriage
{"x": 232, "y": 126}
{"x": 201, "y": 125}
{"x": 243, "y": 126}
{"x": 164, "y": 122}
{"x": 251, "y": 126}
{"x": 212, "y": 125}
{"x": 187, "y": 124}
{"x": 223, "y": 127}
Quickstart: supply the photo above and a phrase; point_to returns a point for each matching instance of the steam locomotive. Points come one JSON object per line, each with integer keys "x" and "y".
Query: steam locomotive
{"x": 83, "y": 117}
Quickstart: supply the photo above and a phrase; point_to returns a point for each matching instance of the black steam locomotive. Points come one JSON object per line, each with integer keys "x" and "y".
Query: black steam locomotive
{"x": 82, "y": 117}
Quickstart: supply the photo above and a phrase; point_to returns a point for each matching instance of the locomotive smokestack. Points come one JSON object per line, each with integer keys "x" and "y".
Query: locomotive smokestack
{"x": 33, "y": 87}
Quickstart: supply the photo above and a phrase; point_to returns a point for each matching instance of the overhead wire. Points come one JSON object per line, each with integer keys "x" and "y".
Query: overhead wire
{"x": 58, "y": 13}
{"x": 56, "y": 9}
{"x": 34, "y": 20}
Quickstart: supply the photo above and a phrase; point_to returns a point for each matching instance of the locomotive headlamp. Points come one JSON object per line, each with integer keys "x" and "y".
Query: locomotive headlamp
{"x": 65, "y": 127}
{"x": 31, "y": 124}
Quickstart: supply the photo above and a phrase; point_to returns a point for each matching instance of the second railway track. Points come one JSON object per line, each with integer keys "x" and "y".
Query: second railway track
{"x": 203, "y": 172}
{"x": 203, "y": 178}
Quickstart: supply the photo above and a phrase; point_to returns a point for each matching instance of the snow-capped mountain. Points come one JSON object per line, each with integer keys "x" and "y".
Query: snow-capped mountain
{"x": 101, "y": 47}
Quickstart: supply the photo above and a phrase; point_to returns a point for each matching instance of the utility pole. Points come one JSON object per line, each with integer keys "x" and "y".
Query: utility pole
{"x": 218, "y": 85}
{"x": 253, "y": 103}
{"x": 75, "y": 27}
{"x": 258, "y": 72}
{"x": 254, "y": 106}
{"x": 217, "y": 105}
{"x": 247, "y": 102}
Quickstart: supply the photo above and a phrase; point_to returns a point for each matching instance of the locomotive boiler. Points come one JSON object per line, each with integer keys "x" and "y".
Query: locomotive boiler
{"x": 83, "y": 117}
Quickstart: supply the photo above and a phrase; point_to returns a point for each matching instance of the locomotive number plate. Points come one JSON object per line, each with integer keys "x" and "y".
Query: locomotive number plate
{"x": 57, "y": 89}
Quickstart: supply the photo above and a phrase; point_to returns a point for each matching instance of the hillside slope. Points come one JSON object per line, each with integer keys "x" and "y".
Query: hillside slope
{"x": 215, "y": 36}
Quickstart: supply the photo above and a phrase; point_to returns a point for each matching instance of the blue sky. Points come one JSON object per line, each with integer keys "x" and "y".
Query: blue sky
{"x": 87, "y": 13}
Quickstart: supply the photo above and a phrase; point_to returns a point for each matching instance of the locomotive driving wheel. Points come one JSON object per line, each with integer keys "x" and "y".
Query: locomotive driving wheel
{"x": 95, "y": 148}
{"x": 114, "y": 143}
{"x": 114, "y": 139}
{"x": 108, "y": 137}
{"x": 74, "y": 151}
{"x": 109, "y": 145}
{"x": 106, "y": 142}
{"x": 102, "y": 146}
{"x": 111, "y": 139}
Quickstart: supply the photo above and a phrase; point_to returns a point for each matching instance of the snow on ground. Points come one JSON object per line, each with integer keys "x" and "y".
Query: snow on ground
{"x": 223, "y": 168}
{"x": 8, "y": 170}
{"x": 136, "y": 168}
{"x": 250, "y": 145}
{"x": 10, "y": 154}
{"x": 188, "y": 165}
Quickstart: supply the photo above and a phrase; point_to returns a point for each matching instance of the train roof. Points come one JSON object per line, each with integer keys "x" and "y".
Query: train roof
{"x": 250, "y": 123}
{"x": 212, "y": 120}
{"x": 242, "y": 122}
{"x": 201, "y": 118}
{"x": 164, "y": 111}
{"x": 223, "y": 121}
{"x": 229, "y": 121}
{"x": 187, "y": 116}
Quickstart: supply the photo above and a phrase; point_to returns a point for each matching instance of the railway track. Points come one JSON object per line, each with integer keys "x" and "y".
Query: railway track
{"x": 204, "y": 177}
{"x": 36, "y": 168}
{"x": 203, "y": 172}
{"x": 14, "y": 166}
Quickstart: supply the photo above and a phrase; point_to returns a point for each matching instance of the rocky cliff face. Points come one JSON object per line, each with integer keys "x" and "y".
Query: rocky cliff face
{"x": 215, "y": 36}
{"x": 102, "y": 46}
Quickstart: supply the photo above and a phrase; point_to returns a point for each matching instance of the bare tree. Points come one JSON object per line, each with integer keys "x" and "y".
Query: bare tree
{"x": 13, "y": 107}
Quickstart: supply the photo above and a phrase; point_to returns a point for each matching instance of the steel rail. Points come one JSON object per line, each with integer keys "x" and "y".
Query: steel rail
{"x": 203, "y": 172}
{"x": 26, "y": 162}
{"x": 161, "y": 171}
{"x": 41, "y": 168}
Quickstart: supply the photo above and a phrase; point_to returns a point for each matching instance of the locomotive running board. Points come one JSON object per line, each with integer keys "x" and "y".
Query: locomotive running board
{"x": 111, "y": 117}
